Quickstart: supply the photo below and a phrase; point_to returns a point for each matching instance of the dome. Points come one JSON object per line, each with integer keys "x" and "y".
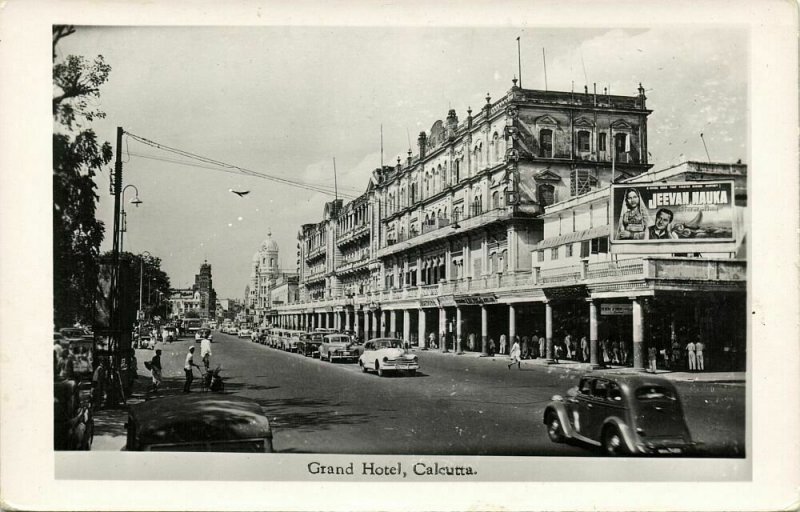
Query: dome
{"x": 269, "y": 244}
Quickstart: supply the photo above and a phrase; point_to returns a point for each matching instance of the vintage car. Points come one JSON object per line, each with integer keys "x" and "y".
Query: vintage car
{"x": 169, "y": 333}
{"x": 244, "y": 332}
{"x": 309, "y": 343}
{"x": 336, "y": 347}
{"x": 387, "y": 355}
{"x": 624, "y": 414}
{"x": 289, "y": 341}
{"x": 207, "y": 422}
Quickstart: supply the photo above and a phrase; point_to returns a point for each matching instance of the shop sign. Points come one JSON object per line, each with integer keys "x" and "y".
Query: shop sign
{"x": 672, "y": 217}
{"x": 566, "y": 292}
{"x": 428, "y": 303}
{"x": 616, "y": 309}
{"x": 475, "y": 300}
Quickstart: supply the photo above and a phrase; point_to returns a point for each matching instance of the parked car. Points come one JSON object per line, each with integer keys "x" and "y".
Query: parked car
{"x": 309, "y": 344}
{"x": 387, "y": 355}
{"x": 204, "y": 332}
{"x": 290, "y": 340}
{"x": 169, "y": 333}
{"x": 624, "y": 414}
{"x": 205, "y": 422}
{"x": 336, "y": 347}
{"x": 244, "y": 332}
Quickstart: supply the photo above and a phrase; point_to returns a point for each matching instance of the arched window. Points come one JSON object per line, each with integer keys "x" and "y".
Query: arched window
{"x": 444, "y": 176}
{"x": 495, "y": 148}
{"x": 622, "y": 146}
{"x": 495, "y": 199}
{"x": 546, "y": 143}
{"x": 457, "y": 171}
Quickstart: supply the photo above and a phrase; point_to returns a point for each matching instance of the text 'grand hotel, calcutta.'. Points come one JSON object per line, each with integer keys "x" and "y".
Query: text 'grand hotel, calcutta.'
{"x": 533, "y": 216}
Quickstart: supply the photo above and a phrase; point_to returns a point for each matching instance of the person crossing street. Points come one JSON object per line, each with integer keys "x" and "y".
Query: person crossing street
{"x": 205, "y": 352}
{"x": 187, "y": 369}
{"x": 515, "y": 352}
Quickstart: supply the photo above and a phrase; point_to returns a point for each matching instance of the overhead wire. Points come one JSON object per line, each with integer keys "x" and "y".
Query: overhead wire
{"x": 218, "y": 165}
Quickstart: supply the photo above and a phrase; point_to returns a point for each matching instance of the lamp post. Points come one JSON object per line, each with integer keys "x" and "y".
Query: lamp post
{"x": 123, "y": 224}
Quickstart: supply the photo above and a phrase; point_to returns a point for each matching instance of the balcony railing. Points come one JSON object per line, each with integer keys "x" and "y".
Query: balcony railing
{"x": 634, "y": 269}
{"x": 352, "y": 234}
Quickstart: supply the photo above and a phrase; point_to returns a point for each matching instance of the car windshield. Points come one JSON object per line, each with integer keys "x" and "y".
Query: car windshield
{"x": 72, "y": 332}
{"x": 338, "y": 339}
{"x": 388, "y": 344}
{"x": 645, "y": 393}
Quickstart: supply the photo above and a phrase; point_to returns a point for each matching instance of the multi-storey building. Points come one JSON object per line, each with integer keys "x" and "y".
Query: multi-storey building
{"x": 203, "y": 283}
{"x": 265, "y": 273}
{"x": 500, "y": 225}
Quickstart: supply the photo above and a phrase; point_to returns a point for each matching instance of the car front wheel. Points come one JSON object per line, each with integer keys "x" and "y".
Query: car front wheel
{"x": 613, "y": 444}
{"x": 379, "y": 369}
{"x": 363, "y": 367}
{"x": 554, "y": 429}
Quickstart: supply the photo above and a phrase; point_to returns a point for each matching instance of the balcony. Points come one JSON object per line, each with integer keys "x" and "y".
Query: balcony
{"x": 652, "y": 271}
{"x": 353, "y": 265}
{"x": 315, "y": 253}
{"x": 351, "y": 235}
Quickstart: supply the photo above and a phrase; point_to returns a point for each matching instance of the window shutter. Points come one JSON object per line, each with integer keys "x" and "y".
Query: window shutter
{"x": 585, "y": 249}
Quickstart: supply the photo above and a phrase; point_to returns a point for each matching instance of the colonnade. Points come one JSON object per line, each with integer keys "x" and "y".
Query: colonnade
{"x": 384, "y": 322}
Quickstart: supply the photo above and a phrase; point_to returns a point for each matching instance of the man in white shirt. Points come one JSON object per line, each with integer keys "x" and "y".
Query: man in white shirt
{"x": 698, "y": 348}
{"x": 690, "y": 353}
{"x": 187, "y": 369}
{"x": 205, "y": 352}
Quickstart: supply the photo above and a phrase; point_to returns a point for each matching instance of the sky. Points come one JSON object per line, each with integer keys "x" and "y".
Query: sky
{"x": 286, "y": 100}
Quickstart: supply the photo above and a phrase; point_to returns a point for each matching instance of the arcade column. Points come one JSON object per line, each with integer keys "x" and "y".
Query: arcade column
{"x": 484, "y": 331}
{"x": 393, "y": 323}
{"x": 458, "y": 331}
{"x": 423, "y": 342}
{"x": 638, "y": 334}
{"x": 548, "y": 331}
{"x": 407, "y": 326}
{"x": 512, "y": 325}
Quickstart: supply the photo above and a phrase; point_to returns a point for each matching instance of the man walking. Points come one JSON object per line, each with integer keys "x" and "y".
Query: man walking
{"x": 205, "y": 351}
{"x": 187, "y": 369}
{"x": 155, "y": 370}
{"x": 515, "y": 351}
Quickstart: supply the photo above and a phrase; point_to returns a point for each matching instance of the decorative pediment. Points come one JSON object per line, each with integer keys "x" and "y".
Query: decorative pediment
{"x": 583, "y": 122}
{"x": 546, "y": 176}
{"x": 546, "y": 120}
{"x": 621, "y": 124}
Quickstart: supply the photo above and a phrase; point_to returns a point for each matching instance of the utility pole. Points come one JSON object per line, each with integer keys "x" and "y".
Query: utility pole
{"x": 114, "y": 312}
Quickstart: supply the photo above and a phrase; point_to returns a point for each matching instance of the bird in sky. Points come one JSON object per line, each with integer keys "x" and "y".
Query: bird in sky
{"x": 240, "y": 193}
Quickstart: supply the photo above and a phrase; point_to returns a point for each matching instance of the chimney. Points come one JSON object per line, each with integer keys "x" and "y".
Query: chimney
{"x": 422, "y": 142}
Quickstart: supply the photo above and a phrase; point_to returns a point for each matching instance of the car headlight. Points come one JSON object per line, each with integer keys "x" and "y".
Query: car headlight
{"x": 385, "y": 359}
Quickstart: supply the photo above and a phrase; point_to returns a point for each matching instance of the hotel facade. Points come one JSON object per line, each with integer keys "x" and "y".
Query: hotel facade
{"x": 505, "y": 223}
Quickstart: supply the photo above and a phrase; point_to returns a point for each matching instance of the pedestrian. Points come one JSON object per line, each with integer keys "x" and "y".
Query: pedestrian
{"x": 524, "y": 347}
{"x": 691, "y": 355}
{"x": 574, "y": 349}
{"x": 676, "y": 353}
{"x": 515, "y": 353}
{"x": 99, "y": 383}
{"x": 556, "y": 350}
{"x": 699, "y": 346}
{"x": 542, "y": 341}
{"x": 652, "y": 354}
{"x": 155, "y": 370}
{"x": 584, "y": 349}
{"x": 623, "y": 351}
{"x": 187, "y": 369}
{"x": 615, "y": 352}
{"x": 432, "y": 340}
{"x": 502, "y": 344}
{"x": 471, "y": 342}
{"x": 205, "y": 352}
{"x": 492, "y": 346}
{"x": 568, "y": 345}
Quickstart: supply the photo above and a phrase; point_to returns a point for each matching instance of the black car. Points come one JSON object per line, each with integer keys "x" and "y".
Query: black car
{"x": 309, "y": 344}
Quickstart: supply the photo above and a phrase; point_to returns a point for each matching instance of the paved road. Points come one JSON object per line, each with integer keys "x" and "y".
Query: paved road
{"x": 457, "y": 405}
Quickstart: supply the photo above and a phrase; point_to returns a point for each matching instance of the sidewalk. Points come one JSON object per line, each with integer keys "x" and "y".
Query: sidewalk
{"x": 736, "y": 378}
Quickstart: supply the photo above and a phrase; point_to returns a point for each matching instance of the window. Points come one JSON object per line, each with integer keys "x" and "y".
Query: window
{"x": 546, "y": 143}
{"x": 456, "y": 173}
{"x": 585, "y": 387}
{"x": 600, "y": 388}
{"x": 540, "y": 255}
{"x": 547, "y": 194}
{"x": 581, "y": 181}
{"x": 621, "y": 143}
{"x": 568, "y": 250}
{"x": 496, "y": 199}
{"x": 554, "y": 253}
{"x": 600, "y": 245}
{"x": 601, "y": 143}
{"x": 583, "y": 141}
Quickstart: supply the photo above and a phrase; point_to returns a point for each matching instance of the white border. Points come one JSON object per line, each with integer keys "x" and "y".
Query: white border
{"x": 27, "y": 467}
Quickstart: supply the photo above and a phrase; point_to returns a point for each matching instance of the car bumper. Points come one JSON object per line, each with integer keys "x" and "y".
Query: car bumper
{"x": 401, "y": 366}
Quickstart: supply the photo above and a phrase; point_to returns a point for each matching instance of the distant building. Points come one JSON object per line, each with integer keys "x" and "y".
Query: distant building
{"x": 208, "y": 297}
{"x": 265, "y": 275}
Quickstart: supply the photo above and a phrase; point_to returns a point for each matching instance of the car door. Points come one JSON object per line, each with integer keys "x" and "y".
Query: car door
{"x": 581, "y": 405}
{"x": 597, "y": 409}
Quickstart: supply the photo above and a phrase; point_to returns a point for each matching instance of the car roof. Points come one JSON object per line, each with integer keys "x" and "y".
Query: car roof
{"x": 192, "y": 418}
{"x": 632, "y": 379}
{"x": 375, "y": 340}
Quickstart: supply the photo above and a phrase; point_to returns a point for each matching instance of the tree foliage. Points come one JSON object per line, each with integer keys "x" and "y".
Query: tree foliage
{"x": 77, "y": 158}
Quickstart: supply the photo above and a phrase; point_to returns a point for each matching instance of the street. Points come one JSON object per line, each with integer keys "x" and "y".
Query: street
{"x": 457, "y": 405}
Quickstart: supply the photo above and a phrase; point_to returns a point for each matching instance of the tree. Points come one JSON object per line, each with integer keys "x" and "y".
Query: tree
{"x": 77, "y": 157}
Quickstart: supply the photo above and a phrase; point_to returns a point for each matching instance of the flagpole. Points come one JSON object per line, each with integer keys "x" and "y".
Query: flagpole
{"x": 519, "y": 63}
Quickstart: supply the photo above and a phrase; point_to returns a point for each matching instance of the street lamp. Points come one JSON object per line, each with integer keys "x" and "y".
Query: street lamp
{"x": 123, "y": 224}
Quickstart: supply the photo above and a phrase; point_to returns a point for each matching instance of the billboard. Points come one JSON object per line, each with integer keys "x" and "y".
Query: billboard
{"x": 673, "y": 217}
